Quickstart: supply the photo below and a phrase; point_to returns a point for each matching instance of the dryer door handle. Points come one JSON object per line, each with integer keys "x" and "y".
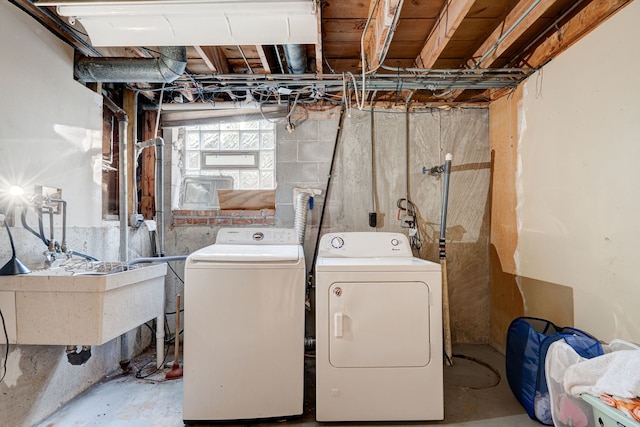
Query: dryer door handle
{"x": 337, "y": 324}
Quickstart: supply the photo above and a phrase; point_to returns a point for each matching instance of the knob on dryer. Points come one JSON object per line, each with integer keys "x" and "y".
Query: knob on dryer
{"x": 337, "y": 242}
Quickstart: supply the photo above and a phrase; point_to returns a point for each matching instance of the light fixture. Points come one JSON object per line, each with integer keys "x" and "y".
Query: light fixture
{"x": 192, "y": 22}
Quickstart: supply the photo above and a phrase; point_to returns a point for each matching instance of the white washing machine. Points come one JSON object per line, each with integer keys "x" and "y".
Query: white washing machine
{"x": 378, "y": 330}
{"x": 244, "y": 303}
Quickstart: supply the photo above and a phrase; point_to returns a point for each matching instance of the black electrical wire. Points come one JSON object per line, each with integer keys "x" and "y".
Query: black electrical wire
{"x": 174, "y": 272}
{"x": 6, "y": 350}
{"x": 498, "y": 377}
{"x": 164, "y": 360}
{"x": 326, "y": 198}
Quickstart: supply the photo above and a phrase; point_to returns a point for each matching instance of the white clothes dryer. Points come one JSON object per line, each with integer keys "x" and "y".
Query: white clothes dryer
{"x": 244, "y": 304}
{"x": 378, "y": 330}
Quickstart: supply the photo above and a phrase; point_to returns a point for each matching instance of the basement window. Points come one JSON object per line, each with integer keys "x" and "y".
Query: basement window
{"x": 235, "y": 155}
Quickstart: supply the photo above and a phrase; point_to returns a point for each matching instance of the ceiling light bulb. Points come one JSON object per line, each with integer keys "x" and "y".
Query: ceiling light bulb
{"x": 14, "y": 190}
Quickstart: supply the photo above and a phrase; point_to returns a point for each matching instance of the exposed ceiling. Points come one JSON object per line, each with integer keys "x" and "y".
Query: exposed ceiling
{"x": 431, "y": 51}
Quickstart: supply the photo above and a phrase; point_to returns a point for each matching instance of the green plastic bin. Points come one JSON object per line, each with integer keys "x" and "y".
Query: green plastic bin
{"x": 608, "y": 416}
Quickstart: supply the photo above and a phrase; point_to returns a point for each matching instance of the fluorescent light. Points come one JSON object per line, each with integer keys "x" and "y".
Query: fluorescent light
{"x": 179, "y": 7}
{"x": 192, "y": 22}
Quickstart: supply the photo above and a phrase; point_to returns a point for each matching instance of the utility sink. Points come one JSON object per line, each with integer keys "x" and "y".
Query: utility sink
{"x": 62, "y": 307}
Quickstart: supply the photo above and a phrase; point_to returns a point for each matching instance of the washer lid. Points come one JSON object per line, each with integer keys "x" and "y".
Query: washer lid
{"x": 247, "y": 253}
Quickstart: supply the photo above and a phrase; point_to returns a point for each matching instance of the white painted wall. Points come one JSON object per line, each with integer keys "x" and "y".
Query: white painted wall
{"x": 50, "y": 134}
{"x": 579, "y": 177}
{"x": 51, "y": 128}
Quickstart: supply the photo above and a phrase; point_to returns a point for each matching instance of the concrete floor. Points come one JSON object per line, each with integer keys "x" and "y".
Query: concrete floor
{"x": 475, "y": 395}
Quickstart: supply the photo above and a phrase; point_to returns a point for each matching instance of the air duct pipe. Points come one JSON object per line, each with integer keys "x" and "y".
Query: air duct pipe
{"x": 296, "y": 58}
{"x": 123, "y": 121}
{"x": 165, "y": 69}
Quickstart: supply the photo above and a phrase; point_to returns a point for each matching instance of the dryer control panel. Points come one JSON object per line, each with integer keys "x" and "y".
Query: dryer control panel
{"x": 364, "y": 245}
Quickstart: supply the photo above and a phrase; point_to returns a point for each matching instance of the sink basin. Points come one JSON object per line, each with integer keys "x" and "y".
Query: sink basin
{"x": 59, "y": 307}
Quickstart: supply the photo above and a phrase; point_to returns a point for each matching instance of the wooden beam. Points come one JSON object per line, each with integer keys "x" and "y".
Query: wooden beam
{"x": 447, "y": 23}
{"x": 46, "y": 18}
{"x": 214, "y": 57}
{"x": 380, "y": 31}
{"x": 592, "y": 15}
{"x": 567, "y": 34}
{"x": 319, "y": 51}
{"x": 128, "y": 102}
{"x": 263, "y": 59}
{"x": 148, "y": 168}
{"x": 521, "y": 17}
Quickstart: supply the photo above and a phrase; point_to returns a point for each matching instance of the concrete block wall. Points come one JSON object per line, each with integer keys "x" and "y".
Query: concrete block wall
{"x": 303, "y": 160}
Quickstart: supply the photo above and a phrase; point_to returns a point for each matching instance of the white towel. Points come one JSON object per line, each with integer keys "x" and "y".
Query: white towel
{"x": 616, "y": 373}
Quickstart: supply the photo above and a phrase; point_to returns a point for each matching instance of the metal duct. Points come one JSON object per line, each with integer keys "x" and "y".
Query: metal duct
{"x": 165, "y": 69}
{"x": 296, "y": 58}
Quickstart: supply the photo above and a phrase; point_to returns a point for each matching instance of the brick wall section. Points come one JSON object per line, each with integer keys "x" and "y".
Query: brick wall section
{"x": 224, "y": 217}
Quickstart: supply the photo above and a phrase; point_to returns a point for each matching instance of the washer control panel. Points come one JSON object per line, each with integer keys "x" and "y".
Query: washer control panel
{"x": 364, "y": 245}
{"x": 257, "y": 236}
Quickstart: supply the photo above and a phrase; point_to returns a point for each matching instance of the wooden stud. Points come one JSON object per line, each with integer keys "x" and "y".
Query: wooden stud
{"x": 319, "y": 51}
{"x": 128, "y": 100}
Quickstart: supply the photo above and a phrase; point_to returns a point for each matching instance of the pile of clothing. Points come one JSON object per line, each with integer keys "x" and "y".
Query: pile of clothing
{"x": 614, "y": 377}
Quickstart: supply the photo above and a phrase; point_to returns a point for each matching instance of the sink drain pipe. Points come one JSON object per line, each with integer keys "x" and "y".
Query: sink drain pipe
{"x": 78, "y": 357}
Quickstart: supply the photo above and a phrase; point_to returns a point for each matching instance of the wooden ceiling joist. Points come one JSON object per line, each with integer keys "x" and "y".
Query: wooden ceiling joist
{"x": 447, "y": 23}
{"x": 215, "y": 58}
{"x": 564, "y": 36}
{"x": 521, "y": 17}
{"x": 263, "y": 59}
{"x": 380, "y": 31}
{"x": 573, "y": 30}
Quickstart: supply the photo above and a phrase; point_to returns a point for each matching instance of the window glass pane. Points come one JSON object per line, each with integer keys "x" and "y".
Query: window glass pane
{"x": 193, "y": 160}
{"x": 249, "y": 140}
{"x": 252, "y": 125}
{"x": 266, "y": 124}
{"x": 210, "y": 140}
{"x": 229, "y": 141}
{"x": 249, "y": 180}
{"x": 226, "y": 143}
{"x": 230, "y": 126}
{"x": 267, "y": 140}
{"x": 235, "y": 174}
{"x": 267, "y": 160}
{"x": 193, "y": 140}
{"x": 267, "y": 180}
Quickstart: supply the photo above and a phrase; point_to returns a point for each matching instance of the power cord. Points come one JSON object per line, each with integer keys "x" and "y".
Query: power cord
{"x": 6, "y": 351}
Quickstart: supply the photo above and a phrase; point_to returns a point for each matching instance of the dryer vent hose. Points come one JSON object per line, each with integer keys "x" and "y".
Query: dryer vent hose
{"x": 300, "y": 220}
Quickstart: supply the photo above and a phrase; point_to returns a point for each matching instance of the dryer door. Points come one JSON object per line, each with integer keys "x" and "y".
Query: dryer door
{"x": 379, "y": 324}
